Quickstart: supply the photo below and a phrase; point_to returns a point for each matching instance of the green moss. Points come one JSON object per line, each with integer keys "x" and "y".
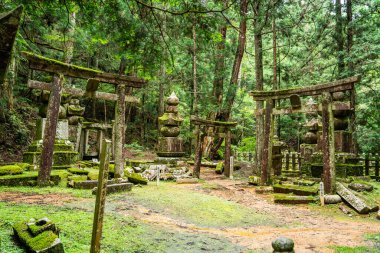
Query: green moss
{"x": 24, "y": 166}
{"x": 299, "y": 190}
{"x": 77, "y": 178}
{"x": 10, "y": 170}
{"x": 36, "y": 230}
{"x": 41, "y": 241}
{"x": 78, "y": 171}
{"x": 219, "y": 168}
{"x": 93, "y": 175}
{"x": 136, "y": 178}
{"x": 56, "y": 62}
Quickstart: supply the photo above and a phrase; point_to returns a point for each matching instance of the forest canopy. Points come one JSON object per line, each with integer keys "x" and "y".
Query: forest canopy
{"x": 211, "y": 53}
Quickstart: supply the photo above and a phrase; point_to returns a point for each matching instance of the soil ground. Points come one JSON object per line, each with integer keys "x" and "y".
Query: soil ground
{"x": 311, "y": 228}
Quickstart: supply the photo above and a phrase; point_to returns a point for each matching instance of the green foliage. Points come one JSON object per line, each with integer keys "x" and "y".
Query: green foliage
{"x": 247, "y": 145}
{"x": 10, "y": 170}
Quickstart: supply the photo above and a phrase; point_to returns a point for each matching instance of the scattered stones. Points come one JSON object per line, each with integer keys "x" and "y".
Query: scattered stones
{"x": 283, "y": 244}
{"x": 332, "y": 199}
{"x": 359, "y": 187}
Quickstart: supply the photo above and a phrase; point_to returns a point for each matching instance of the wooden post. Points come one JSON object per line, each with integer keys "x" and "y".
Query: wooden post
{"x": 198, "y": 153}
{"x": 366, "y": 164}
{"x": 100, "y": 197}
{"x": 119, "y": 131}
{"x": 50, "y": 131}
{"x": 231, "y": 176}
{"x": 265, "y": 176}
{"x": 85, "y": 142}
{"x": 328, "y": 144}
{"x": 78, "y": 139}
{"x": 227, "y": 153}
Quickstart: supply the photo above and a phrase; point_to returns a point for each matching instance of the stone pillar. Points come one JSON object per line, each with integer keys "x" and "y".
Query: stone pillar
{"x": 329, "y": 144}
{"x": 227, "y": 153}
{"x": 265, "y": 170}
{"x": 119, "y": 131}
{"x": 50, "y": 131}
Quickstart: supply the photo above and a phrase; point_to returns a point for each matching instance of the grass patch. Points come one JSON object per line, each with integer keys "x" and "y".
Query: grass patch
{"x": 361, "y": 249}
{"x": 194, "y": 207}
{"x": 120, "y": 233}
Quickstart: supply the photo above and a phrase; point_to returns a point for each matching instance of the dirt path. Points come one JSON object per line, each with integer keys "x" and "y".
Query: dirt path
{"x": 311, "y": 231}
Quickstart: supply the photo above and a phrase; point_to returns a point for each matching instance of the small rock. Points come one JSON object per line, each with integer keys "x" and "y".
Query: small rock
{"x": 137, "y": 169}
{"x": 283, "y": 244}
{"x": 42, "y": 221}
{"x": 378, "y": 215}
{"x": 360, "y": 187}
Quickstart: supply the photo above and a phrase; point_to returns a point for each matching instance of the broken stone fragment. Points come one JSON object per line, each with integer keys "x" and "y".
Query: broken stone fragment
{"x": 283, "y": 244}
{"x": 351, "y": 199}
{"x": 360, "y": 187}
{"x": 332, "y": 199}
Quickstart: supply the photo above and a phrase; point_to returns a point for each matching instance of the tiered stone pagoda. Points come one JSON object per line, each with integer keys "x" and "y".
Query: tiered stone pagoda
{"x": 170, "y": 145}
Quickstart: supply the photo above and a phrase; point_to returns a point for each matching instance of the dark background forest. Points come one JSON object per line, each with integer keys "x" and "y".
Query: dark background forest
{"x": 211, "y": 53}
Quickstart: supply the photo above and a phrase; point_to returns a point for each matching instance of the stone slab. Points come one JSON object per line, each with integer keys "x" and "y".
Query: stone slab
{"x": 187, "y": 181}
{"x": 90, "y": 184}
{"x": 297, "y": 190}
{"x": 354, "y": 201}
{"x": 113, "y": 188}
{"x": 62, "y": 129}
{"x": 293, "y": 199}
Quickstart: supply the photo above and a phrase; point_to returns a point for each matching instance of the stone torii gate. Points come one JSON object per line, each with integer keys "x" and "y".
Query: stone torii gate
{"x": 327, "y": 107}
{"x": 225, "y": 132}
{"x": 60, "y": 69}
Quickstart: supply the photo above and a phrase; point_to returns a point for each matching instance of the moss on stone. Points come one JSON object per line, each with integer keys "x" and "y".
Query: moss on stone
{"x": 299, "y": 190}
{"x": 78, "y": 171}
{"x": 10, "y": 170}
{"x": 36, "y": 230}
{"x": 219, "y": 168}
{"x": 39, "y": 243}
{"x": 136, "y": 178}
{"x": 93, "y": 175}
{"x": 24, "y": 166}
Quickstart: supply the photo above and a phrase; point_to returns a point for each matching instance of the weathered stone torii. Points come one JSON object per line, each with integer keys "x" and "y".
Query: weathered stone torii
{"x": 60, "y": 69}
{"x": 327, "y": 107}
{"x": 225, "y": 126}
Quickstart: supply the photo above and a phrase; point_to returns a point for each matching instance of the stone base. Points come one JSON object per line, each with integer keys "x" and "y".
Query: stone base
{"x": 62, "y": 129}
{"x": 341, "y": 170}
{"x": 170, "y": 147}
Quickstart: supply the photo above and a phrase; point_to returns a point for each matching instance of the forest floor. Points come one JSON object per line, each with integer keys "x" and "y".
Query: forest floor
{"x": 215, "y": 215}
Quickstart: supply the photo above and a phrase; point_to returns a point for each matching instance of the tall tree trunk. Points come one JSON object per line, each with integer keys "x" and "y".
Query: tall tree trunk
{"x": 350, "y": 39}
{"x": 69, "y": 43}
{"x": 232, "y": 87}
{"x": 276, "y": 119}
{"x": 10, "y": 81}
{"x": 339, "y": 36}
{"x": 259, "y": 74}
{"x": 195, "y": 84}
{"x": 217, "y": 88}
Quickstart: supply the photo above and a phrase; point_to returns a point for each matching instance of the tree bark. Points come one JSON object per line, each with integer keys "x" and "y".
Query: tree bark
{"x": 224, "y": 114}
{"x": 259, "y": 74}
{"x": 339, "y": 37}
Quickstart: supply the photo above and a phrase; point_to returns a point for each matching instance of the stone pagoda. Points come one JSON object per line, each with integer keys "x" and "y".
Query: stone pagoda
{"x": 169, "y": 144}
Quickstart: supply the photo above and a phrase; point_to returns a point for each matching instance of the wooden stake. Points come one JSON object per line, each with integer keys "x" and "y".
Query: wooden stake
{"x": 50, "y": 131}
{"x": 265, "y": 176}
{"x": 100, "y": 197}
